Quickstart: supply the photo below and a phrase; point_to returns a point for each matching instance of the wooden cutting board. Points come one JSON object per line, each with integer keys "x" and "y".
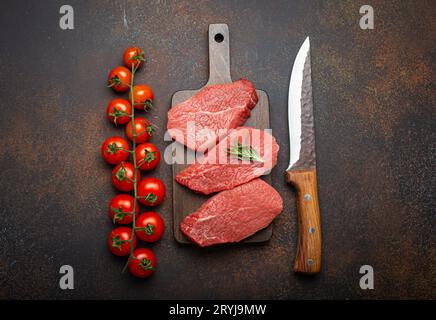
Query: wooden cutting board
{"x": 186, "y": 201}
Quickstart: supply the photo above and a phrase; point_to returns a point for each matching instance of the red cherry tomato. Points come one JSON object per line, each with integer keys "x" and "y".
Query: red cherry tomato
{"x": 149, "y": 226}
{"x": 118, "y": 241}
{"x": 133, "y": 56}
{"x": 143, "y": 129}
{"x": 142, "y": 97}
{"x": 147, "y": 156}
{"x": 143, "y": 263}
{"x": 119, "y": 79}
{"x": 123, "y": 176}
{"x": 121, "y": 208}
{"x": 113, "y": 150}
{"x": 151, "y": 191}
{"x": 119, "y": 111}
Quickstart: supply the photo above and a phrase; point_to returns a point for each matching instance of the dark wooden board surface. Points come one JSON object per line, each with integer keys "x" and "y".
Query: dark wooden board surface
{"x": 184, "y": 200}
{"x": 374, "y": 97}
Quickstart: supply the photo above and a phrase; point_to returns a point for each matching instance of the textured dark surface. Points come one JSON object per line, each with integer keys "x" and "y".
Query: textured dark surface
{"x": 374, "y": 103}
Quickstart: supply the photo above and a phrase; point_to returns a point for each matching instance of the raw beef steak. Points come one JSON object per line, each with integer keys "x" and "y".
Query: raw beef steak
{"x": 218, "y": 170}
{"x": 207, "y": 116}
{"x": 233, "y": 215}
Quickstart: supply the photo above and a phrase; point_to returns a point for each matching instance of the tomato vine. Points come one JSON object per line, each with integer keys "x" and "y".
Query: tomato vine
{"x": 121, "y": 80}
{"x": 135, "y": 67}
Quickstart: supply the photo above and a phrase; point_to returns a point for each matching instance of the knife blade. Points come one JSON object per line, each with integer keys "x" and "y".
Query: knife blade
{"x": 301, "y": 172}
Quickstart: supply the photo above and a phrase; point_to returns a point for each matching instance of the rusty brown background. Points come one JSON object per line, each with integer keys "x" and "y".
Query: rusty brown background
{"x": 374, "y": 109}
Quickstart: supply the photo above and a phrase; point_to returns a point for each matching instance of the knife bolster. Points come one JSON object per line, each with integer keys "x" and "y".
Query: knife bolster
{"x": 308, "y": 258}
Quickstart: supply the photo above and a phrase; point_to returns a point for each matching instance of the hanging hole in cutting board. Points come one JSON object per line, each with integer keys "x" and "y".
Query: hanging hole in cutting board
{"x": 219, "y": 38}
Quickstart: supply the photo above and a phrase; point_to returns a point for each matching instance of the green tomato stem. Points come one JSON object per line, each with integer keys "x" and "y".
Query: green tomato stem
{"x": 135, "y": 191}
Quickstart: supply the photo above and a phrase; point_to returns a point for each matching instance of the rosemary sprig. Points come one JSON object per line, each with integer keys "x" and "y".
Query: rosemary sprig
{"x": 244, "y": 152}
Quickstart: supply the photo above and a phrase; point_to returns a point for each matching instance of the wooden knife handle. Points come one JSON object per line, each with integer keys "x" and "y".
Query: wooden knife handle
{"x": 308, "y": 259}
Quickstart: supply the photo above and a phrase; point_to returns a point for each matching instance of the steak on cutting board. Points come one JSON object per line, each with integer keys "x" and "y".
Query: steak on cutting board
{"x": 218, "y": 170}
{"x": 207, "y": 116}
{"x": 233, "y": 215}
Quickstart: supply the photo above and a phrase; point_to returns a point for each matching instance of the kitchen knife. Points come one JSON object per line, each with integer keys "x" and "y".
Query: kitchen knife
{"x": 301, "y": 172}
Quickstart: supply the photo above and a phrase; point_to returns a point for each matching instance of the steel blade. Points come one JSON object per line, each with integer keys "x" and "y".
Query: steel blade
{"x": 300, "y": 112}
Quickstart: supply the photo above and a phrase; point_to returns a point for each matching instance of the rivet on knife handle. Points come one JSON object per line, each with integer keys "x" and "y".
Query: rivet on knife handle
{"x": 308, "y": 259}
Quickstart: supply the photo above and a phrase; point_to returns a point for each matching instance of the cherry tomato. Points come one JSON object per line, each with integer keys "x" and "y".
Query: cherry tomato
{"x": 121, "y": 208}
{"x": 143, "y": 263}
{"x": 118, "y": 241}
{"x": 123, "y": 175}
{"x": 151, "y": 191}
{"x": 119, "y": 79}
{"x": 133, "y": 56}
{"x": 147, "y": 156}
{"x": 119, "y": 111}
{"x": 142, "y": 97}
{"x": 149, "y": 226}
{"x": 143, "y": 129}
{"x": 113, "y": 150}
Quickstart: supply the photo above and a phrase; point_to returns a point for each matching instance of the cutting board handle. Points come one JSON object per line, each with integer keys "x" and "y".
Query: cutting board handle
{"x": 219, "y": 54}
